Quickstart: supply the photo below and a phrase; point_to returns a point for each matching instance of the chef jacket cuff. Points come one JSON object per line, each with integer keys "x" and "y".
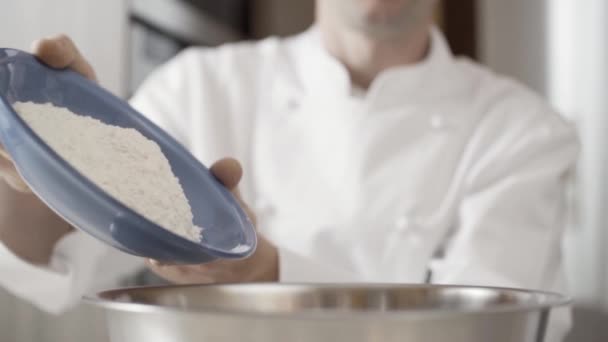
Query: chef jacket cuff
{"x": 58, "y": 285}
{"x": 295, "y": 268}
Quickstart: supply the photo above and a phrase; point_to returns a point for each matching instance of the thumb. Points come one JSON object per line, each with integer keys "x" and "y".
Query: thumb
{"x": 228, "y": 171}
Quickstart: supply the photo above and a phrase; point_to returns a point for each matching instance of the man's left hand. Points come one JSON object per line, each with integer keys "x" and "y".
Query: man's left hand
{"x": 262, "y": 266}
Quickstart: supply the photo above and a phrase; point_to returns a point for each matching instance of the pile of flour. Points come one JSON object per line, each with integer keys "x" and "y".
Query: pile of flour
{"x": 121, "y": 161}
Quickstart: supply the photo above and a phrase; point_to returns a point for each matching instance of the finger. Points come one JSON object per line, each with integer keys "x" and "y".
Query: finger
{"x": 228, "y": 171}
{"x": 4, "y": 154}
{"x": 179, "y": 274}
{"x": 16, "y": 183}
{"x": 61, "y": 52}
{"x": 245, "y": 207}
{"x": 9, "y": 173}
{"x": 169, "y": 273}
{"x": 11, "y": 176}
{"x": 160, "y": 263}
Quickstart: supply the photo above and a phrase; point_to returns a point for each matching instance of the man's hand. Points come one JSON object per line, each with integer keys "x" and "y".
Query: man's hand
{"x": 262, "y": 266}
{"x": 27, "y": 226}
{"x": 58, "y": 52}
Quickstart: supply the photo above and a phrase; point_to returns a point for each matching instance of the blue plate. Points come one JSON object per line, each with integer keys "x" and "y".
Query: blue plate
{"x": 228, "y": 233}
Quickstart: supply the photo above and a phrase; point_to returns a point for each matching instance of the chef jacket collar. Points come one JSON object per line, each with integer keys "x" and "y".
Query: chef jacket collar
{"x": 322, "y": 74}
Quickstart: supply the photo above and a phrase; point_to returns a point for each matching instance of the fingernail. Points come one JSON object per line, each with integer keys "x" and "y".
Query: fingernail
{"x": 153, "y": 262}
{"x": 34, "y": 45}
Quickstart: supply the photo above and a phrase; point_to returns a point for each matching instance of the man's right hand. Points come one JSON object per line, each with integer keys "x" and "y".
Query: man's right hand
{"x": 27, "y": 226}
{"x": 59, "y": 52}
{"x": 10, "y": 174}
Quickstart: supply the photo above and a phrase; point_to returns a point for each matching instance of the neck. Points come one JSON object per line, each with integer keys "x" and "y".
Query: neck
{"x": 366, "y": 56}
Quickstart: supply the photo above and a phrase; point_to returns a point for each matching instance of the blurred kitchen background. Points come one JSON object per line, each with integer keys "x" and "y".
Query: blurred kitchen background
{"x": 557, "y": 47}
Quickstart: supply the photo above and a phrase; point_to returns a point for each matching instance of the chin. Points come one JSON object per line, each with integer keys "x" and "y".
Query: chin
{"x": 385, "y": 6}
{"x": 388, "y": 15}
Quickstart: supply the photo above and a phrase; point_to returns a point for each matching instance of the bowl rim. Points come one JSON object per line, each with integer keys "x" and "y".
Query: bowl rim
{"x": 98, "y": 91}
{"x": 551, "y": 300}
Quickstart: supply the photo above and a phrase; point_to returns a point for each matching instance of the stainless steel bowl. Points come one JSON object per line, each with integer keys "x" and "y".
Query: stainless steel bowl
{"x": 326, "y": 313}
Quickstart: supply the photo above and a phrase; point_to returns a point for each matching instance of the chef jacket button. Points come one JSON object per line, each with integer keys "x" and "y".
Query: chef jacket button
{"x": 292, "y": 104}
{"x": 263, "y": 207}
{"x": 415, "y": 239}
{"x": 546, "y": 131}
{"x": 402, "y": 223}
{"x": 437, "y": 122}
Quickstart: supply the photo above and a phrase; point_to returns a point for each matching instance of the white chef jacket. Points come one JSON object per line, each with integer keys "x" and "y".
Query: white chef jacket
{"x": 441, "y": 171}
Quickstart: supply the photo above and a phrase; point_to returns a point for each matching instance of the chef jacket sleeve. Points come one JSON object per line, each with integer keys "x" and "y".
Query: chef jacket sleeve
{"x": 513, "y": 213}
{"x": 75, "y": 269}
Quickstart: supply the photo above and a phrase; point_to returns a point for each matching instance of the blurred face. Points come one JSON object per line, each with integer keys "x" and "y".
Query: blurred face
{"x": 378, "y": 17}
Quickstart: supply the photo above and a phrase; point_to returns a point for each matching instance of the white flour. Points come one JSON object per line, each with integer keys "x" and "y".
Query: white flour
{"x": 121, "y": 161}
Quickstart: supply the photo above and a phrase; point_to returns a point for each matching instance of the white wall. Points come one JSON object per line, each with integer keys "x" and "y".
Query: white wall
{"x": 579, "y": 84}
{"x": 579, "y": 79}
{"x": 98, "y": 27}
{"x": 512, "y": 39}
{"x": 560, "y": 48}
